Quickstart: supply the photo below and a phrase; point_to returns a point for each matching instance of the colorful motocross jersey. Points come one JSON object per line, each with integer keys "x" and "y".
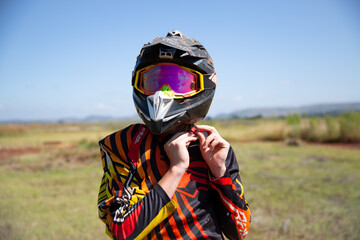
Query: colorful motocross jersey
{"x": 134, "y": 206}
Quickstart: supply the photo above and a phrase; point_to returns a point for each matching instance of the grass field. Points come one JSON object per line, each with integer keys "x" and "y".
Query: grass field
{"x": 50, "y": 174}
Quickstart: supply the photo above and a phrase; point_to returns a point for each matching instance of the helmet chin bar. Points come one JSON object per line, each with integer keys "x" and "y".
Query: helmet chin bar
{"x": 159, "y": 105}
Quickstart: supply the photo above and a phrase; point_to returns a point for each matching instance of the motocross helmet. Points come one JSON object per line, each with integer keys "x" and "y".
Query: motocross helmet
{"x": 173, "y": 83}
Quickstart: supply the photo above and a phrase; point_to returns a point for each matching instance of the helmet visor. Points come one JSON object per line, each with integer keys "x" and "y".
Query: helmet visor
{"x": 182, "y": 81}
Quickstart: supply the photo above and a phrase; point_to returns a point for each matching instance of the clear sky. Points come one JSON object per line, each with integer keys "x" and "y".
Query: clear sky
{"x": 74, "y": 58}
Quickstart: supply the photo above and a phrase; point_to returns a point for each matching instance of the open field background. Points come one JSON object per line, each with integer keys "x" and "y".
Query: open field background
{"x": 301, "y": 177}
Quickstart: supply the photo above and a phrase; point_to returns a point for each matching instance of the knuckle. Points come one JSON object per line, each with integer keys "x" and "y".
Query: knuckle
{"x": 174, "y": 145}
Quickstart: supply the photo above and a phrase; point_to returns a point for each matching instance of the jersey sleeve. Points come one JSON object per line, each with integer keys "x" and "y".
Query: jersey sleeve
{"x": 233, "y": 211}
{"x": 127, "y": 211}
{"x": 139, "y": 219}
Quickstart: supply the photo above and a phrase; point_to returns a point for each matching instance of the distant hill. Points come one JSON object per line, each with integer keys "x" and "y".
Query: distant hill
{"x": 88, "y": 119}
{"x": 309, "y": 110}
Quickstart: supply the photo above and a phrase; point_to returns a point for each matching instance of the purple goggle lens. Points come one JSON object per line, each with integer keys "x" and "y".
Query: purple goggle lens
{"x": 178, "y": 79}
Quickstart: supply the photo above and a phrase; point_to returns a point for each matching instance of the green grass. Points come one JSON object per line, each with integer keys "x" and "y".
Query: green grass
{"x": 304, "y": 192}
{"x": 329, "y": 129}
{"x": 52, "y": 204}
{"x": 49, "y": 198}
{"x": 307, "y": 192}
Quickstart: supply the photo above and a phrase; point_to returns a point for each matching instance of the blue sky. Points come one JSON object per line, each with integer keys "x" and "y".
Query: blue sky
{"x": 74, "y": 58}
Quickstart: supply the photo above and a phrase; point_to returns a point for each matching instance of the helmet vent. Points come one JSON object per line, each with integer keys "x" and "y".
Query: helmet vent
{"x": 167, "y": 53}
{"x": 199, "y": 46}
{"x": 174, "y": 33}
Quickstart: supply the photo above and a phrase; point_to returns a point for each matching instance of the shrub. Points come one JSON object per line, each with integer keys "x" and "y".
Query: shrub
{"x": 333, "y": 129}
{"x": 293, "y": 119}
{"x": 344, "y": 128}
{"x": 350, "y": 127}
{"x": 86, "y": 144}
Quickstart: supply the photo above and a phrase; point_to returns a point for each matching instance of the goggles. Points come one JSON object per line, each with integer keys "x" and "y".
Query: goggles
{"x": 181, "y": 81}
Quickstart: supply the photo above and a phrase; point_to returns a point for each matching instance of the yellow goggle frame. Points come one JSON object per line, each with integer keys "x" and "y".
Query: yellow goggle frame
{"x": 175, "y": 95}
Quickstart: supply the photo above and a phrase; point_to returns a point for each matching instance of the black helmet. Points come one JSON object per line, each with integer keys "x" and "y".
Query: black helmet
{"x": 160, "y": 111}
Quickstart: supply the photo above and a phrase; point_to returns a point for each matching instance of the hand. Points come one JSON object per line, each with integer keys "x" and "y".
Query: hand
{"x": 176, "y": 149}
{"x": 214, "y": 150}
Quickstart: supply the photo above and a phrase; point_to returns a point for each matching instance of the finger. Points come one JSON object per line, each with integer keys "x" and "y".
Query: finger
{"x": 213, "y": 132}
{"x": 208, "y": 140}
{"x": 183, "y": 139}
{"x": 215, "y": 143}
{"x": 189, "y": 140}
{"x": 179, "y": 136}
{"x": 207, "y": 128}
{"x": 175, "y": 136}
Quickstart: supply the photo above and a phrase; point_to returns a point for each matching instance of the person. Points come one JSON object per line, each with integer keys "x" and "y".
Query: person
{"x": 167, "y": 178}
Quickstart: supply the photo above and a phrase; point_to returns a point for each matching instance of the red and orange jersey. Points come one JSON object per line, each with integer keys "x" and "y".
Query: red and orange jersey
{"x": 134, "y": 206}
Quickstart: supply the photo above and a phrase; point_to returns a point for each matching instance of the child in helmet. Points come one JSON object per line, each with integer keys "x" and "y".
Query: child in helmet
{"x": 170, "y": 179}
